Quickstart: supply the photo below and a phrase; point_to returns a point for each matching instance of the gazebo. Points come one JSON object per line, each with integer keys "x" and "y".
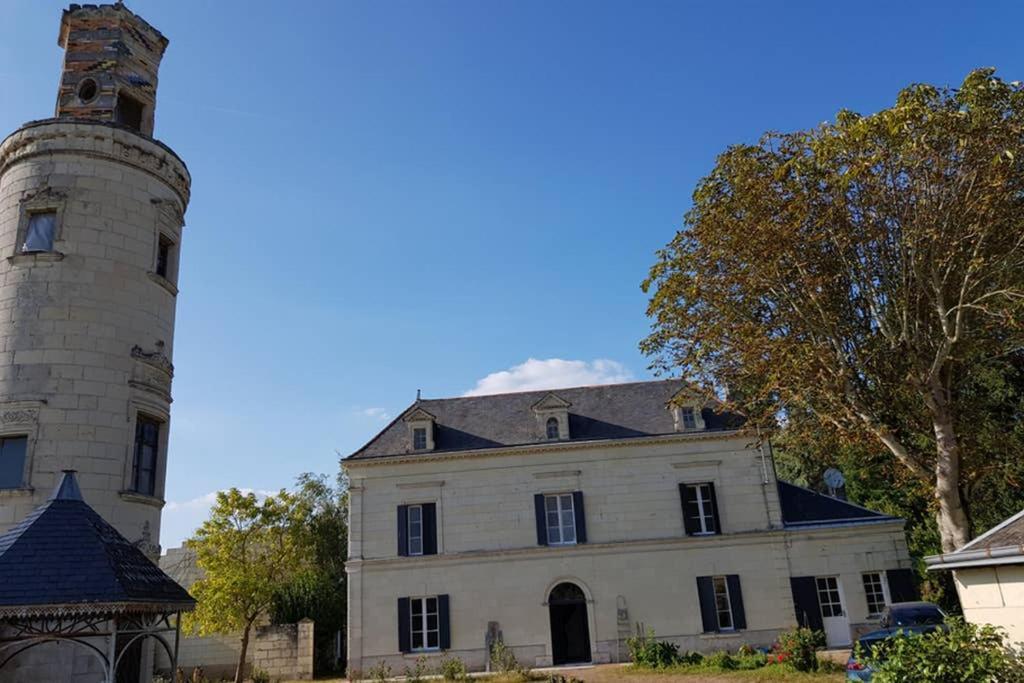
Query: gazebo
{"x": 67, "y": 576}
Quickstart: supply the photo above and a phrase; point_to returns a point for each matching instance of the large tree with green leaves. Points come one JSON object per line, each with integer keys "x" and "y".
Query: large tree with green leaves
{"x": 249, "y": 550}
{"x": 856, "y": 273}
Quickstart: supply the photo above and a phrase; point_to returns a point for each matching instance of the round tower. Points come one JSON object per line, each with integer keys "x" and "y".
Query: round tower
{"x": 91, "y": 215}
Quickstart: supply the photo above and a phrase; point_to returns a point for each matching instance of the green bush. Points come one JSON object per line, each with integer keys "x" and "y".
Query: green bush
{"x": 503, "y": 659}
{"x": 721, "y": 660}
{"x": 258, "y": 675}
{"x": 379, "y": 673}
{"x": 647, "y": 652}
{"x": 798, "y": 648}
{"x": 966, "y": 653}
{"x": 418, "y": 670}
{"x": 452, "y": 668}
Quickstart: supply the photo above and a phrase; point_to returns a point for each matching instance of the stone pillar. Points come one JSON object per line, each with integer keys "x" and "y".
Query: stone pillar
{"x": 304, "y": 651}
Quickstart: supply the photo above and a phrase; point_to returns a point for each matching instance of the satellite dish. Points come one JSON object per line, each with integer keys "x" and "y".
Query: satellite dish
{"x": 834, "y": 479}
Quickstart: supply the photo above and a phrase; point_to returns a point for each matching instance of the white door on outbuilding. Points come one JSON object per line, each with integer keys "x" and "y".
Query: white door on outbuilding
{"x": 833, "y": 611}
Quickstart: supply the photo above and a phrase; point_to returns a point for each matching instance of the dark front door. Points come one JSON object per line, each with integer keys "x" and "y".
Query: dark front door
{"x": 570, "y": 632}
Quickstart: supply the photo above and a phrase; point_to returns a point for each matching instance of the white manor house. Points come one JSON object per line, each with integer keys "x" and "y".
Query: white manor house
{"x": 562, "y": 519}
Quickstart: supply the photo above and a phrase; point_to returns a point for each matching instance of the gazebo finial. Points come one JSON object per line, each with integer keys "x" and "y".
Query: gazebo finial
{"x": 67, "y": 489}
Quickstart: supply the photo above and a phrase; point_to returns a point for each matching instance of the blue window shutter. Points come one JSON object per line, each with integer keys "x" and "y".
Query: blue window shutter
{"x": 542, "y": 526}
{"x": 430, "y": 528}
{"x": 404, "y": 634}
{"x": 714, "y": 508}
{"x": 739, "y": 616}
{"x": 581, "y": 517}
{"x": 901, "y": 585}
{"x": 805, "y": 602}
{"x": 403, "y": 529}
{"x": 442, "y": 621}
{"x": 706, "y": 595}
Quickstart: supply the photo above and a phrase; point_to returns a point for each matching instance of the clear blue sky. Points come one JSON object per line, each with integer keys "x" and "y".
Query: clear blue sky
{"x": 399, "y": 195}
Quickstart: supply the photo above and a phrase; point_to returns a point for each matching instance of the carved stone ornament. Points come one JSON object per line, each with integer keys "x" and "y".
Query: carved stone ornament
{"x": 19, "y": 416}
{"x": 152, "y": 372}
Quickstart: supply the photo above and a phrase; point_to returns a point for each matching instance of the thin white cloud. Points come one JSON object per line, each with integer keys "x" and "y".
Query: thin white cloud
{"x": 181, "y": 518}
{"x": 376, "y": 414}
{"x": 552, "y": 373}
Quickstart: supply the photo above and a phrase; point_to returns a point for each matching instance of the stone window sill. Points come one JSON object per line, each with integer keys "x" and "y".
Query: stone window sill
{"x": 721, "y": 634}
{"x": 17, "y": 492}
{"x": 37, "y": 257}
{"x": 163, "y": 282}
{"x": 136, "y": 497}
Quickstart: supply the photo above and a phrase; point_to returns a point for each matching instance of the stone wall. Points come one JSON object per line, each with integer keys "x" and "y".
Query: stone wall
{"x": 285, "y": 651}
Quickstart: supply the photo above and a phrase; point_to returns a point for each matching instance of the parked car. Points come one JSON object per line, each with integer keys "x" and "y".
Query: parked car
{"x": 898, "y": 619}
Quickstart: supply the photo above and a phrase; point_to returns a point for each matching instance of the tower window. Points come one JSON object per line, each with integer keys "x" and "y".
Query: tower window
{"x": 552, "y": 428}
{"x": 129, "y": 111}
{"x": 163, "y": 257}
{"x": 42, "y": 227}
{"x": 87, "y": 91}
{"x": 12, "y": 461}
{"x": 147, "y": 447}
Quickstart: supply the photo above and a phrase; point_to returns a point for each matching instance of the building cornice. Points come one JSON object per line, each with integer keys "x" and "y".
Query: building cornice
{"x": 756, "y": 537}
{"x": 543, "y": 447}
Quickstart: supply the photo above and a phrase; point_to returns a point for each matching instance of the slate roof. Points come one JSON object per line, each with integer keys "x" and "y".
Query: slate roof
{"x": 609, "y": 411}
{"x": 804, "y": 507}
{"x": 66, "y": 556}
{"x": 1003, "y": 544}
{"x": 1007, "y": 534}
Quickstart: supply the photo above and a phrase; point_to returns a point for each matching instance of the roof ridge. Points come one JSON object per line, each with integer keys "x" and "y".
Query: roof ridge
{"x": 998, "y": 527}
{"x": 554, "y": 390}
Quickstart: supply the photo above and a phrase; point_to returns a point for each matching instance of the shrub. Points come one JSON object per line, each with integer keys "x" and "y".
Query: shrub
{"x": 381, "y": 672}
{"x": 503, "y": 659}
{"x": 452, "y": 668}
{"x": 691, "y": 657}
{"x": 647, "y": 652}
{"x": 721, "y": 660}
{"x": 965, "y": 653}
{"x": 258, "y": 675}
{"x": 418, "y": 671}
{"x": 798, "y": 649}
{"x": 746, "y": 650}
{"x": 354, "y": 674}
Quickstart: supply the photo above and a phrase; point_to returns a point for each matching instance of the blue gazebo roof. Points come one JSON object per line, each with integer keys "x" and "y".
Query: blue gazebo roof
{"x": 64, "y": 558}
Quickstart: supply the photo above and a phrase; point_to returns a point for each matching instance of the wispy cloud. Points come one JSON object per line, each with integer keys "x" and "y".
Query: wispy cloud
{"x": 551, "y": 373}
{"x": 375, "y": 414}
{"x": 181, "y": 518}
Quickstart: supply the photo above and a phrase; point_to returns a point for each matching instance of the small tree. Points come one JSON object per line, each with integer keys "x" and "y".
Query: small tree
{"x": 248, "y": 550}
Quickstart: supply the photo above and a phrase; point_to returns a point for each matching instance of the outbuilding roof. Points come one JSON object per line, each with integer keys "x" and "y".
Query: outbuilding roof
{"x": 1002, "y": 544}
{"x": 609, "y": 411}
{"x": 803, "y": 507}
{"x": 63, "y": 557}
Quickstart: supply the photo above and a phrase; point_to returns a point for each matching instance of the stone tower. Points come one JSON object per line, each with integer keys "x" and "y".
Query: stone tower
{"x": 91, "y": 214}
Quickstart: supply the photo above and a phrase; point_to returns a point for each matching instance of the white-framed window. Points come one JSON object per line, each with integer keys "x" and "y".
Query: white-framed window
{"x": 723, "y": 604}
{"x": 419, "y": 438}
{"x": 552, "y": 428}
{"x": 424, "y": 627}
{"x": 828, "y": 597}
{"x": 701, "y": 511}
{"x": 561, "y": 519}
{"x": 876, "y": 590}
{"x": 415, "y": 529}
{"x": 689, "y": 418}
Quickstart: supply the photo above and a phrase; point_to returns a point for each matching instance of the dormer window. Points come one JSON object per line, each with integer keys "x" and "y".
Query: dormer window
{"x": 686, "y": 408}
{"x": 689, "y": 421}
{"x": 552, "y": 413}
{"x": 421, "y": 430}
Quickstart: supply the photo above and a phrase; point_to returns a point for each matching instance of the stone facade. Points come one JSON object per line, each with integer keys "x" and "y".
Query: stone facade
{"x": 637, "y": 566}
{"x": 87, "y": 324}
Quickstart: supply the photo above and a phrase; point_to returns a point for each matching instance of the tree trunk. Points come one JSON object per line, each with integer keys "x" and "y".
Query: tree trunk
{"x": 954, "y": 529}
{"x": 240, "y": 669}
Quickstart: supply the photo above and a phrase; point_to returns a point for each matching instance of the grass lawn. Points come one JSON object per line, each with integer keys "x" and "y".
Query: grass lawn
{"x": 618, "y": 673}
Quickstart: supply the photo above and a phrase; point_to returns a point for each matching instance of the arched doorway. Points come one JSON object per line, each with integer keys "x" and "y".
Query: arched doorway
{"x": 570, "y": 631}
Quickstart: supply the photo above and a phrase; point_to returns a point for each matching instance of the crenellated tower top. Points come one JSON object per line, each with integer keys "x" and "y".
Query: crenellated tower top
{"x": 111, "y": 59}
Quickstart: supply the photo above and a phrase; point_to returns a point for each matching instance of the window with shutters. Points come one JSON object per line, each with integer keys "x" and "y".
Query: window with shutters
{"x": 424, "y": 624}
{"x": 723, "y": 605}
{"x": 147, "y": 446}
{"x": 415, "y": 529}
{"x": 876, "y": 591}
{"x": 561, "y": 519}
{"x": 700, "y": 510}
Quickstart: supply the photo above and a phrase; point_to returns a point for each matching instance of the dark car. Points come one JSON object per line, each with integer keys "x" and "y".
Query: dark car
{"x": 901, "y": 618}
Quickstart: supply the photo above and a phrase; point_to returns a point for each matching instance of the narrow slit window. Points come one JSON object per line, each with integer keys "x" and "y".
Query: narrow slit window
{"x": 147, "y": 446}
{"x": 415, "y": 529}
{"x": 163, "y": 257}
{"x": 12, "y": 461}
{"x": 41, "y": 230}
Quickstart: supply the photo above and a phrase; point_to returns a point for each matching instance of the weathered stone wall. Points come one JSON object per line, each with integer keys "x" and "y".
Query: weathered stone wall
{"x": 87, "y": 331}
{"x": 285, "y": 651}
